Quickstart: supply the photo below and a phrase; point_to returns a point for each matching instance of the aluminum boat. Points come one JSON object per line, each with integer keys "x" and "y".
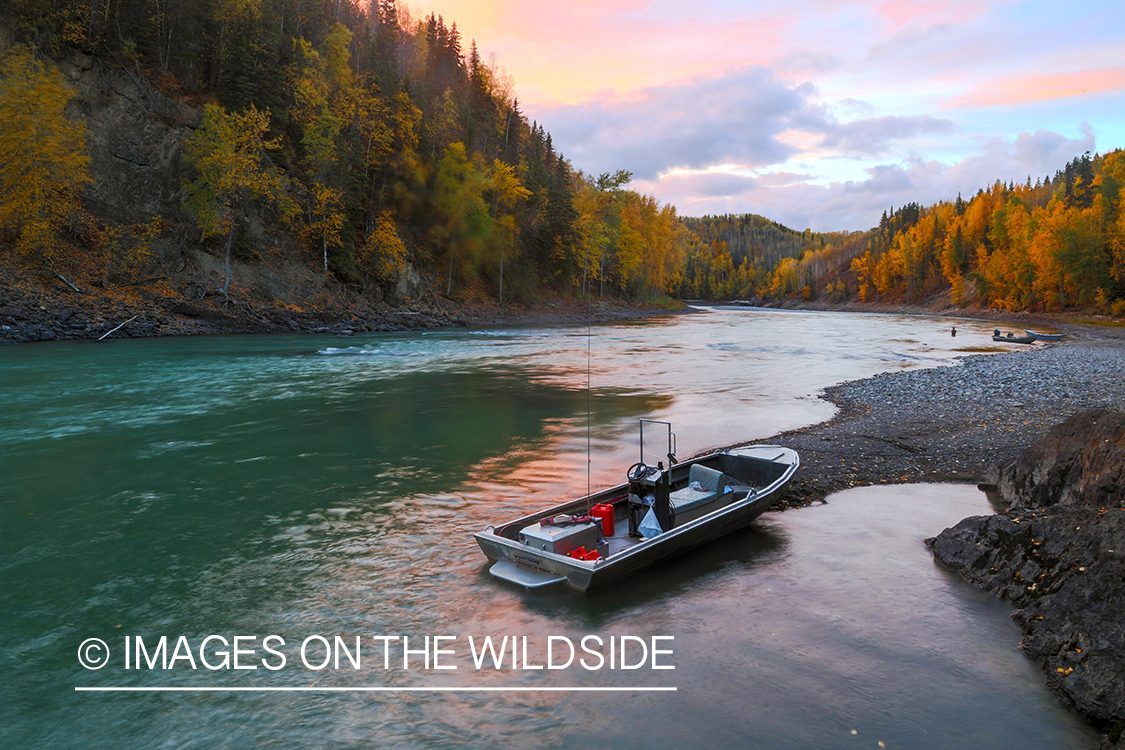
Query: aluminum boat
{"x": 659, "y": 512}
{"x": 1045, "y": 336}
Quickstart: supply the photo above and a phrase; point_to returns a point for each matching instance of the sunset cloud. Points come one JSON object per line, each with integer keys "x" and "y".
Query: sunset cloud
{"x": 815, "y": 113}
{"x": 1042, "y": 152}
{"x": 875, "y": 136}
{"x": 1036, "y": 87}
{"x": 802, "y": 201}
{"x": 731, "y": 119}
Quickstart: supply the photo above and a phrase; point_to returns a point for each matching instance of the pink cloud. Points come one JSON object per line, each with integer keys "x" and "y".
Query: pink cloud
{"x": 734, "y": 118}
{"x": 902, "y": 12}
{"x": 1036, "y": 87}
{"x": 782, "y": 179}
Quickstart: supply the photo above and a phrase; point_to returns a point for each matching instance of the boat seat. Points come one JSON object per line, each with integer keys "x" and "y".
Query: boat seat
{"x": 713, "y": 483}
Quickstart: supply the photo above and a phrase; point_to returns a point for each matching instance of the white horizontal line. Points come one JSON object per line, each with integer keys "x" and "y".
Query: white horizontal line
{"x": 368, "y": 689}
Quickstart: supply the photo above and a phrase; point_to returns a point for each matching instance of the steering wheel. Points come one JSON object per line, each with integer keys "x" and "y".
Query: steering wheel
{"x": 638, "y": 471}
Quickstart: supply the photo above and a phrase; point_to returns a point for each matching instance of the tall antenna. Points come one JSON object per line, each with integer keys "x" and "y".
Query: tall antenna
{"x": 589, "y": 397}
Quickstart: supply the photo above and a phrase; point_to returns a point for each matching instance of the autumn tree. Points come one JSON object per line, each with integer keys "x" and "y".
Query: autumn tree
{"x": 387, "y": 131}
{"x": 317, "y": 83}
{"x": 325, "y": 207}
{"x": 507, "y": 194}
{"x": 232, "y": 173}
{"x": 592, "y": 230}
{"x": 1111, "y": 182}
{"x": 383, "y": 255}
{"x": 599, "y": 216}
{"x": 43, "y": 157}
{"x": 460, "y": 216}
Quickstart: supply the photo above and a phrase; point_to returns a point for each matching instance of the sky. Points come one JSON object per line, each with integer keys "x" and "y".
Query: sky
{"x": 817, "y": 114}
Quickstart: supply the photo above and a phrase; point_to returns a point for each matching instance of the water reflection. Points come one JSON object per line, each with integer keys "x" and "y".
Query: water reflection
{"x": 744, "y": 551}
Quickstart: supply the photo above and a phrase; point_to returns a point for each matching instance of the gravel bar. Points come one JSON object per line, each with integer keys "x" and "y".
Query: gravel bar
{"x": 953, "y": 423}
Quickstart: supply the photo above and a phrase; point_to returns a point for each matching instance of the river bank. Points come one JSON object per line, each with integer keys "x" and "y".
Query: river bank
{"x": 32, "y": 310}
{"x": 941, "y": 306}
{"x": 42, "y": 305}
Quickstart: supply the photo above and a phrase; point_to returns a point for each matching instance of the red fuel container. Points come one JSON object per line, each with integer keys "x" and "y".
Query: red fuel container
{"x": 604, "y": 511}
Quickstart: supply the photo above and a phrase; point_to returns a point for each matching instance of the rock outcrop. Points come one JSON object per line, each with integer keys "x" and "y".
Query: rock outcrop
{"x": 1058, "y": 554}
{"x": 1079, "y": 463}
{"x": 136, "y": 141}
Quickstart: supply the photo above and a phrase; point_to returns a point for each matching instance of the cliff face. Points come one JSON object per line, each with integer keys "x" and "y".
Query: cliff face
{"x": 1059, "y": 555}
{"x": 136, "y": 139}
{"x": 137, "y": 136}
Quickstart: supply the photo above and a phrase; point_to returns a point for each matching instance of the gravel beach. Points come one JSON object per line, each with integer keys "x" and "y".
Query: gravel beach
{"x": 952, "y": 424}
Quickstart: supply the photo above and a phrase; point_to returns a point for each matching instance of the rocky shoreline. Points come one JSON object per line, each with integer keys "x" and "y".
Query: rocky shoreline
{"x": 987, "y": 421}
{"x": 33, "y": 312}
{"x": 37, "y": 304}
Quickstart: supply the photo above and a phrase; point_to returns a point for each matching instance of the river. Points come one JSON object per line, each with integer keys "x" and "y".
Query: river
{"x": 314, "y": 488}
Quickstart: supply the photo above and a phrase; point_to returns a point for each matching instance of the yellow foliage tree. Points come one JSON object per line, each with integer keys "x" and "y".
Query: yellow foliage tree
{"x": 320, "y": 125}
{"x": 388, "y": 130}
{"x": 785, "y": 277}
{"x": 326, "y": 218}
{"x": 864, "y": 268}
{"x": 43, "y": 158}
{"x": 383, "y": 254}
{"x": 507, "y": 193}
{"x": 631, "y": 245}
{"x": 461, "y": 218}
{"x": 592, "y": 229}
{"x": 228, "y": 154}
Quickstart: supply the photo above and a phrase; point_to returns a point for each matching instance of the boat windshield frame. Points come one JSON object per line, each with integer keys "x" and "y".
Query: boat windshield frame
{"x": 671, "y": 455}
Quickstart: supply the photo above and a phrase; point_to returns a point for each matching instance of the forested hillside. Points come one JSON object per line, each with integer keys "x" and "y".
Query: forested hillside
{"x": 374, "y": 138}
{"x": 738, "y": 257}
{"x": 1056, "y": 244}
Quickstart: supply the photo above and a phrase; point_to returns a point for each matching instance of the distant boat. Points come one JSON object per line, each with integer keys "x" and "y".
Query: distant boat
{"x": 1011, "y": 338}
{"x": 1046, "y": 336}
{"x": 660, "y": 512}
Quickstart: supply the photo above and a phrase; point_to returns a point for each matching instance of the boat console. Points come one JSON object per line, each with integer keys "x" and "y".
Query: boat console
{"x": 563, "y": 540}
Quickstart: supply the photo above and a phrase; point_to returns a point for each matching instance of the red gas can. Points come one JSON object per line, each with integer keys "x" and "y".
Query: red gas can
{"x": 604, "y": 511}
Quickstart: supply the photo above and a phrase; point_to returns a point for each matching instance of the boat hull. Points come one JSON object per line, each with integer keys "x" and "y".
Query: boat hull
{"x": 1045, "y": 336}
{"x": 534, "y": 568}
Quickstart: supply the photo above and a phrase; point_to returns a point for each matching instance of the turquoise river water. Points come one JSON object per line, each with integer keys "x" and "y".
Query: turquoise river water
{"x": 293, "y": 515}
